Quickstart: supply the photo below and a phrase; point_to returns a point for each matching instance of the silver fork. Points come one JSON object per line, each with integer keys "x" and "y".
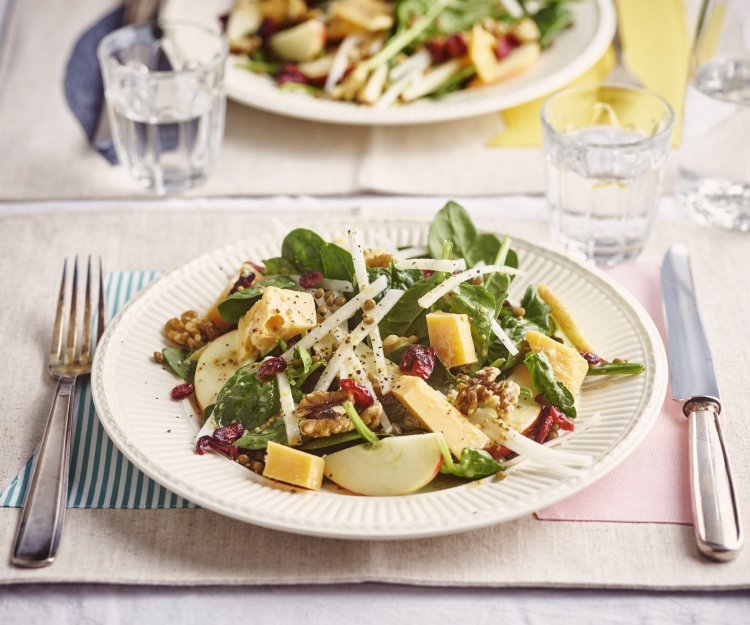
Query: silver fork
{"x": 41, "y": 523}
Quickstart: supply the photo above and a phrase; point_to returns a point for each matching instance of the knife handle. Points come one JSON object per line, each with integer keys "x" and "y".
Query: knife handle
{"x": 718, "y": 531}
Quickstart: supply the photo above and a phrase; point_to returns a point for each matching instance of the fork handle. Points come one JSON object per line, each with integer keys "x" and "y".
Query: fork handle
{"x": 41, "y": 523}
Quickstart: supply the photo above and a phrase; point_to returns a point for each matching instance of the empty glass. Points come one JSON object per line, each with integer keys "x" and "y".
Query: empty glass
{"x": 605, "y": 149}
{"x": 164, "y": 86}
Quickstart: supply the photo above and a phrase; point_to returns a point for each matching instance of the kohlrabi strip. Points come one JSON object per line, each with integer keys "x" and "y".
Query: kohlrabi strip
{"x": 429, "y": 298}
{"x": 432, "y": 264}
{"x": 360, "y": 271}
{"x": 347, "y": 311}
{"x": 504, "y": 338}
{"x": 356, "y": 337}
{"x": 287, "y": 409}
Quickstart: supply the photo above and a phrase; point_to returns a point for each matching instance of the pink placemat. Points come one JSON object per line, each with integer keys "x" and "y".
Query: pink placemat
{"x": 651, "y": 485}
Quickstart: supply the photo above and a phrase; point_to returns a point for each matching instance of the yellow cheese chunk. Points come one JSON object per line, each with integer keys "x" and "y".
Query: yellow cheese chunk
{"x": 293, "y": 466}
{"x": 437, "y": 414}
{"x": 278, "y": 314}
{"x": 450, "y": 335}
{"x": 568, "y": 365}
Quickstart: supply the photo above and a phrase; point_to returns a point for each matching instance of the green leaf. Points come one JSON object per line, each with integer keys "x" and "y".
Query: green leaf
{"x": 359, "y": 425}
{"x": 407, "y": 317}
{"x": 275, "y": 431}
{"x": 177, "y": 362}
{"x": 474, "y": 464}
{"x": 545, "y": 382}
{"x": 336, "y": 440}
{"x": 552, "y": 20}
{"x": 247, "y": 399}
{"x": 278, "y": 266}
{"x": 238, "y": 303}
{"x": 537, "y": 311}
{"x": 307, "y": 251}
{"x": 451, "y": 223}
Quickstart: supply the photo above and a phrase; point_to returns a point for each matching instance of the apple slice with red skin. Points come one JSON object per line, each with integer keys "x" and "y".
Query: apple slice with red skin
{"x": 390, "y": 467}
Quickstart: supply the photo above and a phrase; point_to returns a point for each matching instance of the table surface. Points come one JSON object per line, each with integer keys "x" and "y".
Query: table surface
{"x": 338, "y": 603}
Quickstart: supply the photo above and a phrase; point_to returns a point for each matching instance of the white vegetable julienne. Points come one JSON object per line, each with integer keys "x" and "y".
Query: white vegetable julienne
{"x": 419, "y": 61}
{"x": 337, "y": 285}
{"x": 432, "y": 264}
{"x": 504, "y": 338}
{"x": 287, "y": 409}
{"x": 429, "y": 298}
{"x": 359, "y": 373}
{"x": 347, "y": 311}
{"x": 360, "y": 271}
{"x": 541, "y": 454}
{"x": 345, "y": 350}
{"x": 431, "y": 81}
{"x": 402, "y": 83}
{"x": 513, "y": 7}
{"x": 340, "y": 62}
{"x": 209, "y": 427}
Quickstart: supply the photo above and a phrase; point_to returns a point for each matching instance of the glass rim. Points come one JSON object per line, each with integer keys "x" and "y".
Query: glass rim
{"x": 668, "y": 126}
{"x": 217, "y": 59}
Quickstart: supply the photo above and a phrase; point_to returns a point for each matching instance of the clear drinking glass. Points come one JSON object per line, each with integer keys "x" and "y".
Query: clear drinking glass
{"x": 164, "y": 86}
{"x": 605, "y": 148}
{"x": 714, "y": 166}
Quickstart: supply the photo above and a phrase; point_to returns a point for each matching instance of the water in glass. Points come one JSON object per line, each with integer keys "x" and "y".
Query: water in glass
{"x": 602, "y": 187}
{"x": 714, "y": 175}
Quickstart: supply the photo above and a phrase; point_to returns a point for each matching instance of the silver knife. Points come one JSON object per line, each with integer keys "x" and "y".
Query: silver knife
{"x": 136, "y": 12}
{"x": 718, "y": 530}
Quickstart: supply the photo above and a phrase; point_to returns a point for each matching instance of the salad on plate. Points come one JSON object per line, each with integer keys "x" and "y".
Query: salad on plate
{"x": 380, "y": 368}
{"x": 382, "y": 53}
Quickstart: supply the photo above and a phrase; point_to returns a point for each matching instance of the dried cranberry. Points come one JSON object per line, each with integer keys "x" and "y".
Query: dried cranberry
{"x": 244, "y": 282}
{"x": 227, "y": 434}
{"x": 267, "y": 28}
{"x": 290, "y": 73}
{"x": 310, "y": 279}
{"x": 426, "y": 273}
{"x": 561, "y": 419}
{"x": 208, "y": 442}
{"x": 455, "y": 46}
{"x": 505, "y": 45}
{"x": 592, "y": 359}
{"x": 545, "y": 423}
{"x": 360, "y": 394}
{"x": 418, "y": 360}
{"x": 498, "y": 452}
{"x": 181, "y": 391}
{"x": 437, "y": 51}
{"x": 271, "y": 366}
{"x": 257, "y": 267}
{"x": 223, "y": 19}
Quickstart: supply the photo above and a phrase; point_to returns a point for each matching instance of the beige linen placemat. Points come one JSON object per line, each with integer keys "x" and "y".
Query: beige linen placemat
{"x": 199, "y": 547}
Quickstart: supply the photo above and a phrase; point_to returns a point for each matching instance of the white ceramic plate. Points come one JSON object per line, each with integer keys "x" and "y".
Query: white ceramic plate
{"x": 131, "y": 394}
{"x": 573, "y": 52}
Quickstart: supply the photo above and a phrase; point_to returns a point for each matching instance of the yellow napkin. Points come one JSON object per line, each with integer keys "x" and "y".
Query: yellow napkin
{"x": 655, "y": 41}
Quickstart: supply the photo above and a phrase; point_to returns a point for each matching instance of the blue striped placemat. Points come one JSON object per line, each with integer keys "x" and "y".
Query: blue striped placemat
{"x": 100, "y": 476}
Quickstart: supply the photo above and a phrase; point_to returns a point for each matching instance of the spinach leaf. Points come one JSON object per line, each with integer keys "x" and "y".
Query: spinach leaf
{"x": 516, "y": 331}
{"x": 247, "y": 399}
{"x": 278, "y": 266}
{"x": 484, "y": 247}
{"x": 537, "y": 312}
{"x": 552, "y": 20}
{"x": 452, "y": 223}
{"x": 177, "y": 362}
{"x": 479, "y": 304}
{"x": 397, "y": 278}
{"x": 474, "y": 464}
{"x": 273, "y": 431}
{"x": 545, "y": 382}
{"x": 407, "y": 317}
{"x": 307, "y": 251}
{"x": 299, "y": 374}
{"x": 238, "y": 303}
{"x": 454, "y": 83}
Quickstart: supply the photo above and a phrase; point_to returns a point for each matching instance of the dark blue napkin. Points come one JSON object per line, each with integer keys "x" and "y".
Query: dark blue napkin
{"x": 83, "y": 79}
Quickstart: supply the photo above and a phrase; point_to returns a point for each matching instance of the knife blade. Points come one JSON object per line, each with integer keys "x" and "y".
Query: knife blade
{"x": 718, "y": 530}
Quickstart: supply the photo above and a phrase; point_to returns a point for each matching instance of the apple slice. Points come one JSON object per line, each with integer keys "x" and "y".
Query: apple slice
{"x": 300, "y": 43}
{"x": 392, "y": 466}
{"x": 217, "y": 363}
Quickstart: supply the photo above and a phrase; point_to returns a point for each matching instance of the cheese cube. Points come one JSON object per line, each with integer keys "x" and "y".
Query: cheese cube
{"x": 568, "y": 365}
{"x": 278, "y": 314}
{"x": 293, "y": 466}
{"x": 450, "y": 335}
{"x": 437, "y": 414}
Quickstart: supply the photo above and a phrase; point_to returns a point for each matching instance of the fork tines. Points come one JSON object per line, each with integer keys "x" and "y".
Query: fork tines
{"x": 71, "y": 353}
